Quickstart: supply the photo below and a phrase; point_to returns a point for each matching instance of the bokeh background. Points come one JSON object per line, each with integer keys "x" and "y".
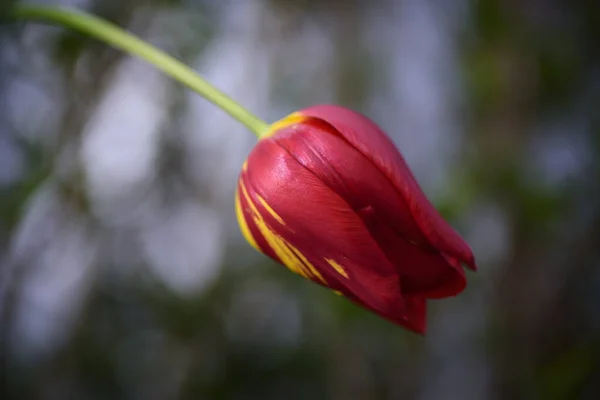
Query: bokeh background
{"x": 122, "y": 271}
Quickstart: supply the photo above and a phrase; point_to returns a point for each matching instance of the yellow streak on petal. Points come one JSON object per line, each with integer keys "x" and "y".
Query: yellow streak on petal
{"x": 293, "y": 118}
{"x": 337, "y": 292}
{"x": 305, "y": 261}
{"x": 338, "y": 268}
{"x": 270, "y": 210}
{"x": 242, "y": 222}
{"x": 245, "y": 166}
{"x": 288, "y": 254}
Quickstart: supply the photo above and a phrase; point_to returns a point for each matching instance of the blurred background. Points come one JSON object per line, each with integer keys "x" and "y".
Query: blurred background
{"x": 122, "y": 271}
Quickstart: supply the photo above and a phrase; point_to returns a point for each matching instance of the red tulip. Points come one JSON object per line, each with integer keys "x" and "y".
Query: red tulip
{"x": 327, "y": 194}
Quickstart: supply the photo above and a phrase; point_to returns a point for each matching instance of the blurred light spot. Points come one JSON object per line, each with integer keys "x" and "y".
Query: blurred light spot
{"x": 184, "y": 246}
{"x": 11, "y": 162}
{"x": 31, "y": 110}
{"x": 61, "y": 253}
{"x": 560, "y": 151}
{"x": 67, "y": 3}
{"x": 489, "y": 234}
{"x": 121, "y": 143}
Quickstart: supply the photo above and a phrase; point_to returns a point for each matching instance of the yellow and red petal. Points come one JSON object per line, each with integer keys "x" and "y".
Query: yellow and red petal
{"x": 375, "y": 145}
{"x": 345, "y": 171}
{"x": 323, "y": 231}
{"x": 327, "y": 194}
{"x": 248, "y": 222}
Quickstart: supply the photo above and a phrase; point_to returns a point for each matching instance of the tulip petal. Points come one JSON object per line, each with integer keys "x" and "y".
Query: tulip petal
{"x": 412, "y": 316}
{"x": 374, "y": 144}
{"x": 426, "y": 273}
{"x": 331, "y": 237}
{"x": 248, "y": 225}
{"x": 373, "y": 197}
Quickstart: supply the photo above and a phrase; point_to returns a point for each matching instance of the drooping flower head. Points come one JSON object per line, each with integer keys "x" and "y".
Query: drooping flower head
{"x": 326, "y": 193}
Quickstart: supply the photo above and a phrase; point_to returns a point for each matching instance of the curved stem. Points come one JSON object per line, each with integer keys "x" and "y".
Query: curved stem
{"x": 115, "y": 36}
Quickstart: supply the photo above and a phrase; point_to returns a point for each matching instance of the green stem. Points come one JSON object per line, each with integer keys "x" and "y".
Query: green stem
{"x": 115, "y": 36}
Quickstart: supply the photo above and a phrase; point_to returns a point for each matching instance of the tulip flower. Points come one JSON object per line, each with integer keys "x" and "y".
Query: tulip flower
{"x": 326, "y": 194}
